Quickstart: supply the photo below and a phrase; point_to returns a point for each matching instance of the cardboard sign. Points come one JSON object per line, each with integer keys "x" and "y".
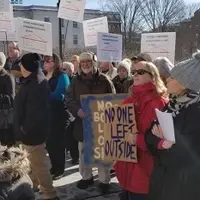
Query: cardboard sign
{"x": 92, "y": 27}
{"x": 93, "y": 125}
{"x": 4, "y": 5}
{"x": 72, "y": 10}
{"x": 10, "y": 35}
{"x": 34, "y": 36}
{"x": 6, "y": 20}
{"x": 109, "y": 47}
{"x": 119, "y": 123}
{"x": 159, "y": 45}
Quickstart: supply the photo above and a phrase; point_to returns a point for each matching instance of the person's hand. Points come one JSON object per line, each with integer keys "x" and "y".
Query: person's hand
{"x": 132, "y": 138}
{"x": 167, "y": 144}
{"x": 80, "y": 113}
{"x": 157, "y": 131}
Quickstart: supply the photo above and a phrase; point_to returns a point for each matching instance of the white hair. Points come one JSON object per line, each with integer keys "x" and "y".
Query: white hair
{"x": 69, "y": 65}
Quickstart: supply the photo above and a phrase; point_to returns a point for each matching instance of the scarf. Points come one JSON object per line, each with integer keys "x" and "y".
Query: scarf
{"x": 177, "y": 103}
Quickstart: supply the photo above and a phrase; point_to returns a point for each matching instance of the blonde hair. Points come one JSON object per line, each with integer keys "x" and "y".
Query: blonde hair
{"x": 158, "y": 82}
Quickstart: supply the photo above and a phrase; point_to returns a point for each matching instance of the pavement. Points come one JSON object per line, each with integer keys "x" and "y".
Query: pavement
{"x": 67, "y": 190}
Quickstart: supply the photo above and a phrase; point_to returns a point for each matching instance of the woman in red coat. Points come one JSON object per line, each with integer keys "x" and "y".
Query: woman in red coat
{"x": 147, "y": 94}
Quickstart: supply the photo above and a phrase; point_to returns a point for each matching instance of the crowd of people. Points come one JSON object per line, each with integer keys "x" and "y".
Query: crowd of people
{"x": 40, "y": 111}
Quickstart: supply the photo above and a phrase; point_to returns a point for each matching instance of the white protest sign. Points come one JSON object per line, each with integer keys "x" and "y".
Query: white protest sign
{"x": 6, "y": 20}
{"x": 10, "y": 35}
{"x": 34, "y": 36}
{"x": 4, "y": 5}
{"x": 159, "y": 45}
{"x": 109, "y": 47}
{"x": 91, "y": 27}
{"x": 72, "y": 10}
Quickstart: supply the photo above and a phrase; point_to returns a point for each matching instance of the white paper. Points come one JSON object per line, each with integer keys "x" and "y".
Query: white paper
{"x": 109, "y": 47}
{"x": 167, "y": 125}
{"x": 91, "y": 27}
{"x": 159, "y": 45}
{"x": 72, "y": 10}
{"x": 6, "y": 20}
{"x": 34, "y": 36}
{"x": 4, "y": 6}
{"x": 10, "y": 35}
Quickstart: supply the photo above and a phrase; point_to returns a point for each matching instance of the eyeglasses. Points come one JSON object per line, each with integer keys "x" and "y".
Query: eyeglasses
{"x": 48, "y": 61}
{"x": 64, "y": 69}
{"x": 140, "y": 72}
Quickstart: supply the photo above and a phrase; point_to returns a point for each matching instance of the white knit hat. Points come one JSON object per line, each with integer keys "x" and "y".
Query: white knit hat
{"x": 126, "y": 64}
{"x": 2, "y": 59}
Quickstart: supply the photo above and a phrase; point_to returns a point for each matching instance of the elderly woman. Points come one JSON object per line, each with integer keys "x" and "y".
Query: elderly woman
{"x": 164, "y": 67}
{"x": 176, "y": 172}
{"x": 68, "y": 68}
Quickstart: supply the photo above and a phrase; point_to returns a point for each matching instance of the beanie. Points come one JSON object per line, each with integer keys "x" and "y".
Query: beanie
{"x": 187, "y": 72}
{"x": 126, "y": 64}
{"x": 31, "y": 62}
{"x": 2, "y": 59}
{"x": 164, "y": 66}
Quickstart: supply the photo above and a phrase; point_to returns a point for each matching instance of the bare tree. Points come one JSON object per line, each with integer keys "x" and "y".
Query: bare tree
{"x": 191, "y": 9}
{"x": 131, "y": 18}
{"x": 159, "y": 14}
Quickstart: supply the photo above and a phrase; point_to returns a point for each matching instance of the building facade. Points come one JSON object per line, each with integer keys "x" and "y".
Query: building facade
{"x": 72, "y": 32}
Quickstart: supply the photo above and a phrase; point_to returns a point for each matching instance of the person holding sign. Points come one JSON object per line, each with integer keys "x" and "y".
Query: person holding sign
{"x": 147, "y": 93}
{"x": 88, "y": 81}
{"x": 176, "y": 172}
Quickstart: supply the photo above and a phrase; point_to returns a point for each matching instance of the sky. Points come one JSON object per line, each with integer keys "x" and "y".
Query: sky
{"x": 92, "y": 4}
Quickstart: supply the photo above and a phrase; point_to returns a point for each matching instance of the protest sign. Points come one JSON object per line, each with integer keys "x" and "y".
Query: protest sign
{"x": 72, "y": 10}
{"x": 159, "y": 45}
{"x": 10, "y": 35}
{"x": 6, "y": 20}
{"x": 4, "y": 5}
{"x": 34, "y": 36}
{"x": 93, "y": 125}
{"x": 109, "y": 47}
{"x": 119, "y": 123}
{"x": 92, "y": 27}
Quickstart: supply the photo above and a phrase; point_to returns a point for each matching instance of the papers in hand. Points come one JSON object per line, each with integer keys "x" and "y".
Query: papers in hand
{"x": 167, "y": 125}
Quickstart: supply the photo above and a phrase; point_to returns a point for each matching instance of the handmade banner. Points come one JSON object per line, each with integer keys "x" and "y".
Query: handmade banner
{"x": 72, "y": 10}
{"x": 159, "y": 45}
{"x": 119, "y": 123}
{"x": 34, "y": 36}
{"x": 91, "y": 27}
{"x": 93, "y": 125}
{"x": 109, "y": 47}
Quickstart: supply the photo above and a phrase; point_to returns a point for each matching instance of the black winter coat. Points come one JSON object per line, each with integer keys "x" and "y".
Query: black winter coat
{"x": 32, "y": 110}
{"x": 7, "y": 93}
{"x": 176, "y": 173}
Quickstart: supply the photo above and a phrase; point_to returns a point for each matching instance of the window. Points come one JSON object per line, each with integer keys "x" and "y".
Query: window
{"x": 62, "y": 23}
{"x": 63, "y": 38}
{"x": 75, "y": 39}
{"x": 75, "y": 25}
{"x": 46, "y": 19}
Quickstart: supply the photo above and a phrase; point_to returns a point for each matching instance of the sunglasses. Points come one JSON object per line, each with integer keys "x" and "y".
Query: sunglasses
{"x": 140, "y": 72}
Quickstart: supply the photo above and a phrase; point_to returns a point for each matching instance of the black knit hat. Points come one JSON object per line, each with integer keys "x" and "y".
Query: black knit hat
{"x": 31, "y": 62}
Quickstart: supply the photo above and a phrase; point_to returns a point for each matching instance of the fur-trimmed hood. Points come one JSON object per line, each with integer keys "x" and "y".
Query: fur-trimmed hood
{"x": 14, "y": 164}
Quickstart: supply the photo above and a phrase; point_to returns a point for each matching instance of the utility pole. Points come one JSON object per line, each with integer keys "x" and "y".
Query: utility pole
{"x": 60, "y": 33}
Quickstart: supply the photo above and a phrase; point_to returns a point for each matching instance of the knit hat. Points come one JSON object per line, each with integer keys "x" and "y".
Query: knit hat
{"x": 187, "y": 72}
{"x": 126, "y": 64}
{"x": 2, "y": 59}
{"x": 30, "y": 62}
{"x": 164, "y": 66}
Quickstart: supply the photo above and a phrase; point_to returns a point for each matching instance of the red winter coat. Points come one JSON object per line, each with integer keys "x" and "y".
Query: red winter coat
{"x": 134, "y": 177}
